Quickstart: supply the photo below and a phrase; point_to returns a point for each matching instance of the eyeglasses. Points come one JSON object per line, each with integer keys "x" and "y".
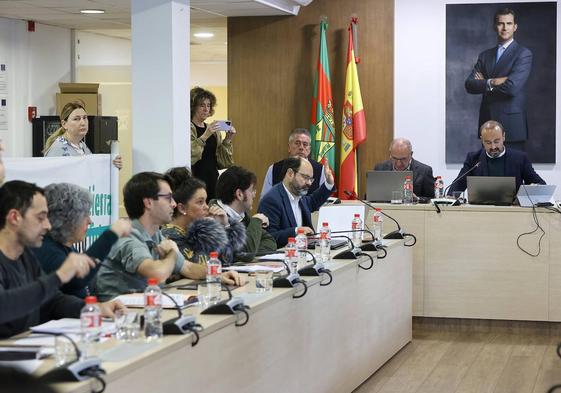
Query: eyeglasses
{"x": 308, "y": 179}
{"x": 168, "y": 196}
{"x": 402, "y": 159}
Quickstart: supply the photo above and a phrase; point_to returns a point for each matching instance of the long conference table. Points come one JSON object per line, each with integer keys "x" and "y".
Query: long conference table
{"x": 330, "y": 340}
{"x": 466, "y": 263}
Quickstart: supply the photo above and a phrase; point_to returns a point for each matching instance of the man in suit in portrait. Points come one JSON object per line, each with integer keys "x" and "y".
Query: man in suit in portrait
{"x": 401, "y": 159}
{"x": 500, "y": 75}
{"x": 494, "y": 159}
{"x": 287, "y": 204}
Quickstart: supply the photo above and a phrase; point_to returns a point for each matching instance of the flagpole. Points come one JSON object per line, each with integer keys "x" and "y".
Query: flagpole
{"x": 354, "y": 29}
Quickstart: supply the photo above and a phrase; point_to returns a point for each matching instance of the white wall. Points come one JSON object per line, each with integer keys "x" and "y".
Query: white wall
{"x": 36, "y": 62}
{"x": 420, "y": 96}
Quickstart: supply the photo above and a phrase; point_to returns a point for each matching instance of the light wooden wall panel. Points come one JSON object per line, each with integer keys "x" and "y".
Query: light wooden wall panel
{"x": 271, "y": 65}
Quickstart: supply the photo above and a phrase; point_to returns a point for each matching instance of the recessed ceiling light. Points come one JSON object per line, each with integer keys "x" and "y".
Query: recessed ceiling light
{"x": 92, "y": 11}
{"x": 204, "y": 35}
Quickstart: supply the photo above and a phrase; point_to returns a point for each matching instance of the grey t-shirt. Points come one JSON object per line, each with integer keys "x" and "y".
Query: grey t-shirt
{"x": 118, "y": 274}
{"x": 62, "y": 148}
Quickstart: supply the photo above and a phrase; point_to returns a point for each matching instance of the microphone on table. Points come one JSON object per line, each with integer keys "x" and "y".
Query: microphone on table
{"x": 372, "y": 245}
{"x": 232, "y": 305}
{"x": 452, "y": 202}
{"x": 398, "y": 233}
{"x": 315, "y": 269}
{"x": 75, "y": 370}
{"x": 290, "y": 280}
{"x": 182, "y": 324}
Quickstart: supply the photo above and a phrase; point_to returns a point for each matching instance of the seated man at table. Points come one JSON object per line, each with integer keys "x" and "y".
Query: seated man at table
{"x": 494, "y": 159}
{"x": 235, "y": 190}
{"x": 29, "y": 297}
{"x": 145, "y": 253}
{"x": 401, "y": 159}
{"x": 299, "y": 145}
{"x": 287, "y": 206}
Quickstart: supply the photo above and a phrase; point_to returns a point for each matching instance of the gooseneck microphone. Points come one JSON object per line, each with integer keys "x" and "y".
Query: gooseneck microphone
{"x": 368, "y": 246}
{"x": 182, "y": 324}
{"x": 232, "y": 305}
{"x": 315, "y": 269}
{"x": 462, "y": 176}
{"x": 75, "y": 370}
{"x": 397, "y": 234}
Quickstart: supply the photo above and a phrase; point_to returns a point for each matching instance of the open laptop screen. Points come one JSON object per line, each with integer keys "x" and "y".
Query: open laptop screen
{"x": 491, "y": 190}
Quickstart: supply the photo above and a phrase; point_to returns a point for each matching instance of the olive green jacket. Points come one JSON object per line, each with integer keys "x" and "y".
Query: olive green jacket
{"x": 224, "y": 149}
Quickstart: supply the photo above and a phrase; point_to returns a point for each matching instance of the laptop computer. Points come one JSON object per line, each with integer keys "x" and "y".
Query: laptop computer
{"x": 531, "y": 194}
{"x": 339, "y": 218}
{"x": 491, "y": 190}
{"x": 381, "y": 184}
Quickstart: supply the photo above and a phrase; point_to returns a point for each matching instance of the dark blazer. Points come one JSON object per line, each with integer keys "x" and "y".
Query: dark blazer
{"x": 506, "y": 103}
{"x": 423, "y": 179}
{"x": 282, "y": 223}
{"x": 517, "y": 165}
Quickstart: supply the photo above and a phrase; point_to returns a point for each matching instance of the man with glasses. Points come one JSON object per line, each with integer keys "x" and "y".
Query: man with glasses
{"x": 288, "y": 204}
{"x": 299, "y": 145}
{"x": 235, "y": 191}
{"x": 401, "y": 159}
{"x": 146, "y": 253}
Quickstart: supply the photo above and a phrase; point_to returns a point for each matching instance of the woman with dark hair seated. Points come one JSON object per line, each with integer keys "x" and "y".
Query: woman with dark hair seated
{"x": 69, "y": 215}
{"x": 195, "y": 228}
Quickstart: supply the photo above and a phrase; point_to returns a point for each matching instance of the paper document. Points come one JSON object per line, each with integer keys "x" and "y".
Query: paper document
{"x": 256, "y": 268}
{"x": 70, "y": 326}
{"x": 137, "y": 300}
{"x": 280, "y": 257}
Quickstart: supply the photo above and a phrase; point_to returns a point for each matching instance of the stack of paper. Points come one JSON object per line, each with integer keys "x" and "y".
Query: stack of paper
{"x": 137, "y": 300}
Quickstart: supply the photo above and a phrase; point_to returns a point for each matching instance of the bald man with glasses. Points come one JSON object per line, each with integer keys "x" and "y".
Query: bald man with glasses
{"x": 401, "y": 159}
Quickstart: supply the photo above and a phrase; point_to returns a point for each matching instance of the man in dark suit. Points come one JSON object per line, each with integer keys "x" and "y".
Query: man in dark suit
{"x": 494, "y": 159}
{"x": 500, "y": 75}
{"x": 299, "y": 145}
{"x": 401, "y": 159}
{"x": 287, "y": 204}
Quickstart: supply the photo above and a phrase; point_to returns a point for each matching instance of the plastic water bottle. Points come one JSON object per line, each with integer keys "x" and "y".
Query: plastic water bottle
{"x": 290, "y": 257}
{"x": 378, "y": 223}
{"x": 90, "y": 326}
{"x": 213, "y": 277}
{"x": 324, "y": 243}
{"x": 408, "y": 190}
{"x": 357, "y": 226}
{"x": 301, "y": 247}
{"x": 439, "y": 187}
{"x": 152, "y": 311}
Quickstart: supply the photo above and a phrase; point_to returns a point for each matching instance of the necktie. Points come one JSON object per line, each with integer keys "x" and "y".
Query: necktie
{"x": 500, "y": 51}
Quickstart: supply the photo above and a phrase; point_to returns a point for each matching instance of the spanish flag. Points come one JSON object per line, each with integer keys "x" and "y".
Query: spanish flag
{"x": 354, "y": 125}
{"x": 322, "y": 126}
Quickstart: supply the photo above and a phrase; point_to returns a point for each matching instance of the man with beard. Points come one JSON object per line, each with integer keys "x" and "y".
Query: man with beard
{"x": 494, "y": 159}
{"x": 28, "y": 296}
{"x": 288, "y": 206}
{"x": 146, "y": 253}
{"x": 235, "y": 191}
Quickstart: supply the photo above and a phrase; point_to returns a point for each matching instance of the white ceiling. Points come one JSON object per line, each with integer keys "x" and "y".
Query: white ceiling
{"x": 206, "y": 15}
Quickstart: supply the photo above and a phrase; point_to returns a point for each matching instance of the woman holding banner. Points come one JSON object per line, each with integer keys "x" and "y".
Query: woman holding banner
{"x": 69, "y": 215}
{"x": 68, "y": 140}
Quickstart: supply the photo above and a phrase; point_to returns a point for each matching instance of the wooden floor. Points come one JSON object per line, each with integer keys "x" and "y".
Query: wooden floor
{"x": 472, "y": 360}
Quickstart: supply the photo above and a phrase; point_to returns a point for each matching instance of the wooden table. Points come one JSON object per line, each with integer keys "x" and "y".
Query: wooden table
{"x": 331, "y": 340}
{"x": 466, "y": 263}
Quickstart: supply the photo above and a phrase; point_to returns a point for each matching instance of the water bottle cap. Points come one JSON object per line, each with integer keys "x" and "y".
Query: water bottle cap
{"x": 357, "y": 215}
{"x": 291, "y": 240}
{"x": 91, "y": 300}
{"x": 214, "y": 254}
{"x": 325, "y": 224}
{"x": 439, "y": 177}
{"x": 407, "y": 177}
{"x": 378, "y": 209}
{"x": 300, "y": 231}
{"x": 152, "y": 281}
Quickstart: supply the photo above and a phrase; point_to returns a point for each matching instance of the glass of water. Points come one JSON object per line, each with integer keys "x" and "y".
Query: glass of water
{"x": 64, "y": 351}
{"x": 263, "y": 281}
{"x": 128, "y": 325}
